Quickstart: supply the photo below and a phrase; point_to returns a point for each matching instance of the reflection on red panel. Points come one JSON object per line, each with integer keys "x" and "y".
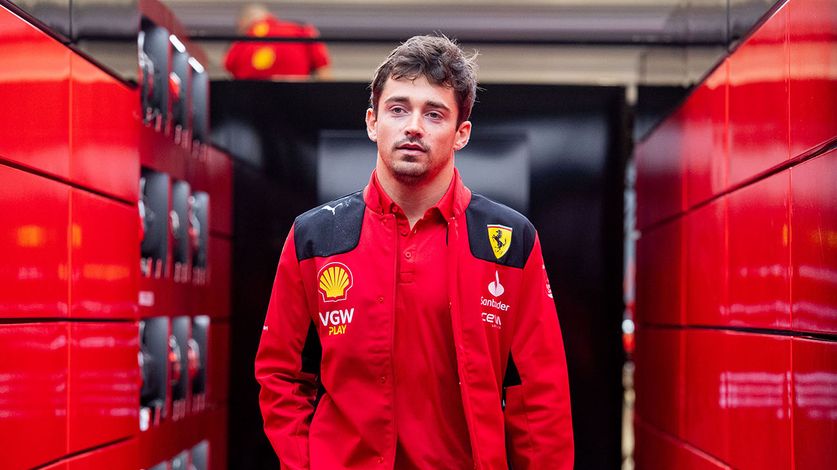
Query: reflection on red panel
{"x": 220, "y": 174}
{"x": 706, "y": 265}
{"x": 33, "y": 239}
{"x": 218, "y": 438}
{"x": 659, "y": 165}
{"x": 814, "y": 403}
{"x": 104, "y": 143}
{"x": 33, "y": 402}
{"x": 104, "y": 383}
{"x": 658, "y": 274}
{"x": 659, "y": 378}
{"x": 705, "y": 138}
{"x": 218, "y": 367}
{"x": 759, "y": 254}
{"x": 655, "y": 449}
{"x": 706, "y": 421}
{"x": 218, "y": 295}
{"x": 757, "y": 398}
{"x": 34, "y": 124}
{"x": 121, "y": 456}
{"x": 814, "y": 244}
{"x": 758, "y": 101}
{"x": 105, "y": 249}
{"x": 812, "y": 33}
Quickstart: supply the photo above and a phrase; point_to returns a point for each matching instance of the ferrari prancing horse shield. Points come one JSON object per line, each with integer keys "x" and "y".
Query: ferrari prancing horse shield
{"x": 499, "y": 236}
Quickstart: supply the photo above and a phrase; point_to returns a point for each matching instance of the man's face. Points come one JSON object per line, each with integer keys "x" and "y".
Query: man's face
{"x": 415, "y": 129}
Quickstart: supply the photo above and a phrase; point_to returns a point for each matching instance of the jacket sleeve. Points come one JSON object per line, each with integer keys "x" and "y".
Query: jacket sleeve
{"x": 538, "y": 420}
{"x": 287, "y": 392}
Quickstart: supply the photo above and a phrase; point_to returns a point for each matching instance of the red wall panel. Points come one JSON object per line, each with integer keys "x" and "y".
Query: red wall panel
{"x": 33, "y": 393}
{"x": 812, "y": 34}
{"x": 705, "y": 280}
{"x": 655, "y": 449}
{"x": 758, "y": 101}
{"x": 814, "y": 403}
{"x": 216, "y": 299}
{"x": 759, "y": 254}
{"x": 121, "y": 456}
{"x": 218, "y": 367}
{"x": 658, "y": 275}
{"x": 34, "y": 275}
{"x": 219, "y": 169}
{"x": 104, "y": 241}
{"x": 814, "y": 244}
{"x": 705, "y": 138}
{"x": 105, "y": 131}
{"x": 104, "y": 383}
{"x": 34, "y": 124}
{"x": 659, "y": 378}
{"x": 706, "y": 422}
{"x": 757, "y": 385}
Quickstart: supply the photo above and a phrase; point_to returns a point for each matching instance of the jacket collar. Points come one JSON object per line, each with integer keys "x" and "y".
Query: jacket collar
{"x": 453, "y": 202}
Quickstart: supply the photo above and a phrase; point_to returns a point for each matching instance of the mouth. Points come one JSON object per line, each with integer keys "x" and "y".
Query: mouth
{"x": 412, "y": 147}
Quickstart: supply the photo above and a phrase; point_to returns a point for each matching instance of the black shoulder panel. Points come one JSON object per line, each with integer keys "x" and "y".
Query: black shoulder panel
{"x": 330, "y": 229}
{"x": 481, "y": 213}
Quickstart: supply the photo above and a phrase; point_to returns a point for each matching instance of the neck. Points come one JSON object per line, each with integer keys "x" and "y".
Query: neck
{"x": 414, "y": 198}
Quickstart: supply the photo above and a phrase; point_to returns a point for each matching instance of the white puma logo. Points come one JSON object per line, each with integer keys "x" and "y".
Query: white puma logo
{"x": 332, "y": 209}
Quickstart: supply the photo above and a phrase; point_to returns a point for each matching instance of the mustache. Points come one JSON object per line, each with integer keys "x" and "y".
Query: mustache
{"x": 416, "y": 141}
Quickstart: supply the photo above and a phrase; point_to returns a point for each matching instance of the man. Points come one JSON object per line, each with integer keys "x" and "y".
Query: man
{"x": 440, "y": 345}
{"x": 287, "y": 60}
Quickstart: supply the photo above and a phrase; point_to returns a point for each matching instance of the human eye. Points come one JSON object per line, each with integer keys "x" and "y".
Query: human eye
{"x": 435, "y": 115}
{"x": 397, "y": 110}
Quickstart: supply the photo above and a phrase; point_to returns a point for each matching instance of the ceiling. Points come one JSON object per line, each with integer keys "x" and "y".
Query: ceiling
{"x": 601, "y": 42}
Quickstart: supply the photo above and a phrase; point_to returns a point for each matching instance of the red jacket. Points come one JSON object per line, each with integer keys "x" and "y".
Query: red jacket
{"x": 330, "y": 322}
{"x": 260, "y": 60}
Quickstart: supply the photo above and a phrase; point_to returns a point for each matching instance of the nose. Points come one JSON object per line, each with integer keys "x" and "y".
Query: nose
{"x": 414, "y": 126}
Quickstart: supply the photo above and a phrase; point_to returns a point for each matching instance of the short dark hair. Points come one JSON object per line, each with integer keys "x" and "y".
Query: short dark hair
{"x": 436, "y": 58}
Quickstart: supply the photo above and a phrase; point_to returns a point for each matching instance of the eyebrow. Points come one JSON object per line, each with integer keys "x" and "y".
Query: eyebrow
{"x": 429, "y": 103}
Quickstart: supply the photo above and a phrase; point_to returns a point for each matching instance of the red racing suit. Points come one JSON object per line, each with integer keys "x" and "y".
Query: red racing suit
{"x": 329, "y": 326}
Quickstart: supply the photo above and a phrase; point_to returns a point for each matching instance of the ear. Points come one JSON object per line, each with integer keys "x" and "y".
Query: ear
{"x": 463, "y": 135}
{"x": 371, "y": 125}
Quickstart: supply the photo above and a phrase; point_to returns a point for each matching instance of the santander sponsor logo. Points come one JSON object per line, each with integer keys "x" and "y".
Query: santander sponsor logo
{"x": 496, "y": 289}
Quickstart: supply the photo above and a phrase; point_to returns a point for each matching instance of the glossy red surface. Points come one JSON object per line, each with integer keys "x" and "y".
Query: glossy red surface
{"x": 104, "y": 244}
{"x": 757, "y": 385}
{"x": 814, "y": 403}
{"x": 706, "y": 421}
{"x": 659, "y": 283}
{"x": 121, "y": 456}
{"x": 659, "y": 378}
{"x": 659, "y": 165}
{"x": 758, "y": 101}
{"x": 105, "y": 129}
{"x": 812, "y": 34}
{"x": 217, "y": 298}
{"x": 34, "y": 276}
{"x": 34, "y": 124}
{"x": 655, "y": 449}
{"x": 705, "y": 267}
{"x": 218, "y": 367}
{"x": 33, "y": 402}
{"x": 814, "y": 244}
{"x": 759, "y": 254}
{"x": 705, "y": 138}
{"x": 219, "y": 169}
{"x": 158, "y": 151}
{"x": 104, "y": 383}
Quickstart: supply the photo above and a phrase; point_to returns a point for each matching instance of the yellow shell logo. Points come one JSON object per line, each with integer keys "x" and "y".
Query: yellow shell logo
{"x": 264, "y": 58}
{"x": 335, "y": 281}
{"x": 261, "y": 29}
